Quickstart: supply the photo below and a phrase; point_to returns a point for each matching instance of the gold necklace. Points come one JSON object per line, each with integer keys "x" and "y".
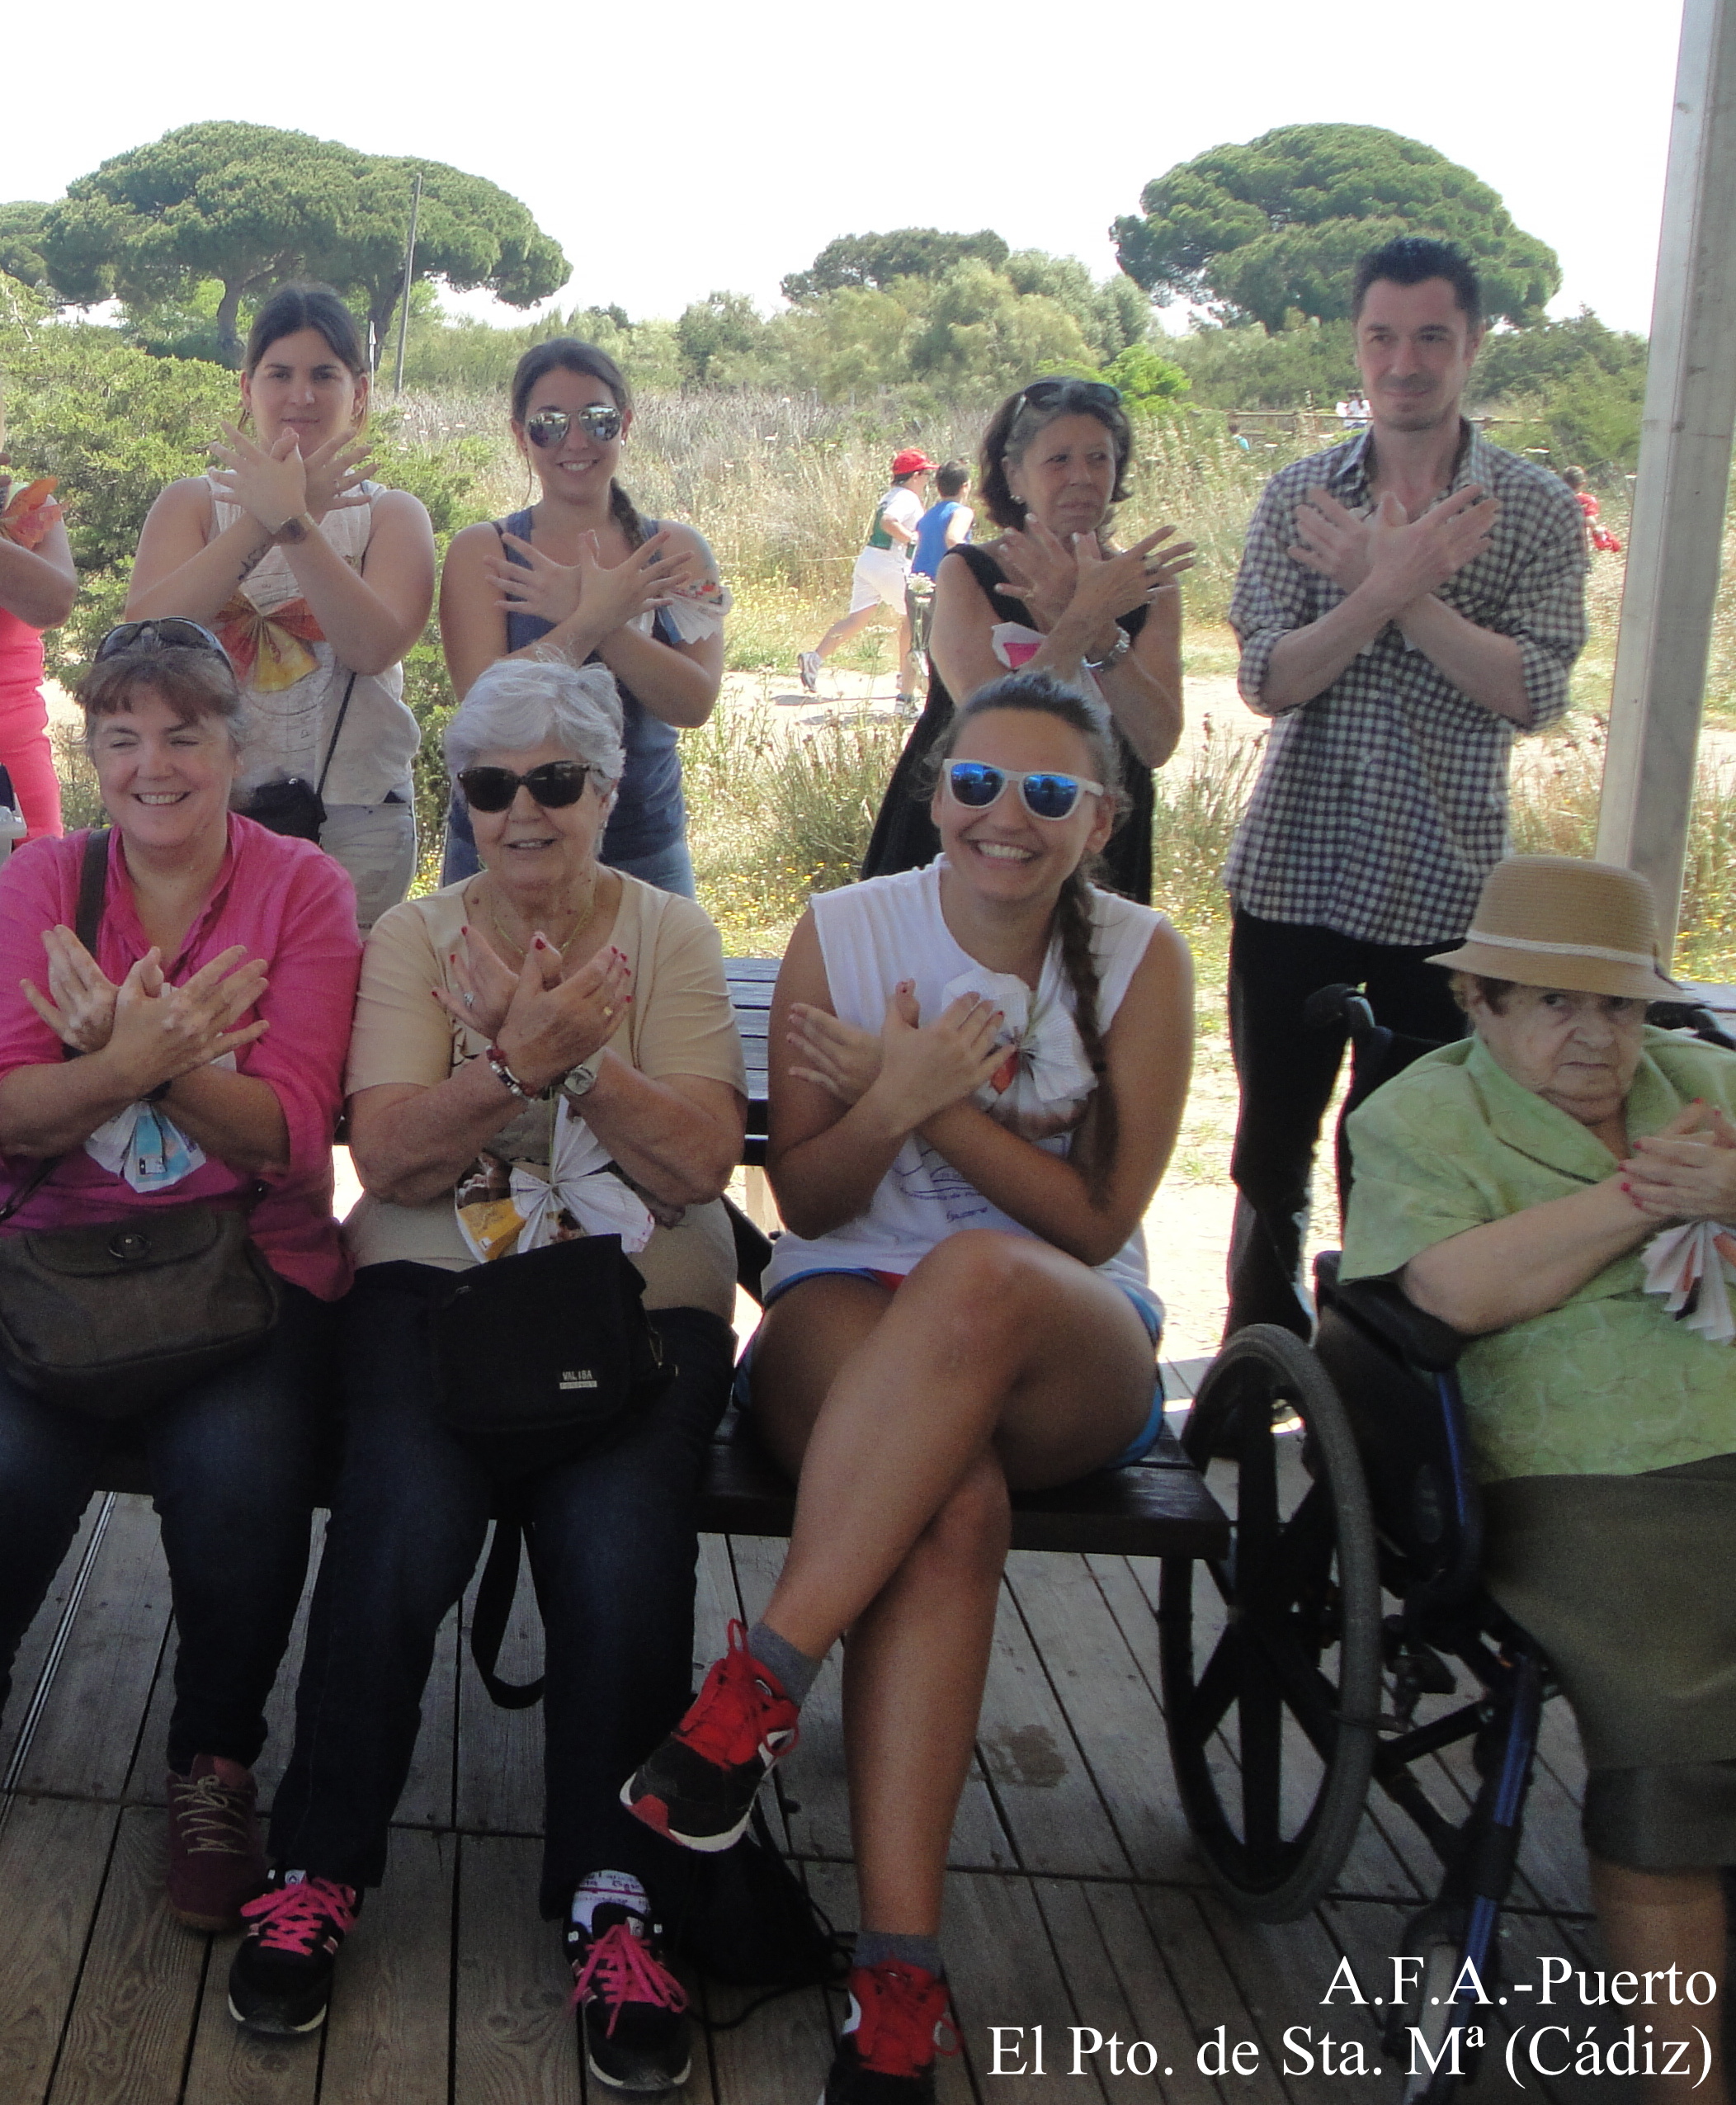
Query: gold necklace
{"x": 579, "y": 926}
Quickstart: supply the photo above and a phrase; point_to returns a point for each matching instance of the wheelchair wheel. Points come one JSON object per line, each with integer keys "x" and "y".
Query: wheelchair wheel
{"x": 1271, "y": 1658}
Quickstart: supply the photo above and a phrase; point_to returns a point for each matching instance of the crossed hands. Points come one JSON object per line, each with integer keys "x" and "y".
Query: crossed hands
{"x": 275, "y": 483}
{"x": 155, "y": 1032}
{"x": 919, "y": 1069}
{"x": 1406, "y": 559}
{"x": 548, "y": 1015}
{"x": 651, "y": 577}
{"x": 1687, "y": 1170}
{"x": 1053, "y": 576}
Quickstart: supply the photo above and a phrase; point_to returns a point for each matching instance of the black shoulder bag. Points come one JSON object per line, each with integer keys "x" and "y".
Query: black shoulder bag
{"x": 296, "y": 806}
{"x": 110, "y": 1319}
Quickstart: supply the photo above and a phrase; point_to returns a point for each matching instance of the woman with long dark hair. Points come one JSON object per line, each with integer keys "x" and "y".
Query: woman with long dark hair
{"x": 316, "y": 581}
{"x": 579, "y": 575}
{"x": 978, "y": 1071}
{"x": 1053, "y": 593}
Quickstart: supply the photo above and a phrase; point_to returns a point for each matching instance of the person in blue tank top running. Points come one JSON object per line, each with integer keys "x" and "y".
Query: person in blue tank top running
{"x": 579, "y": 576}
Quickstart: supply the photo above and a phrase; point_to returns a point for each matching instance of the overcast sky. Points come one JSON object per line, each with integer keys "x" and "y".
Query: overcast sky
{"x": 679, "y": 148}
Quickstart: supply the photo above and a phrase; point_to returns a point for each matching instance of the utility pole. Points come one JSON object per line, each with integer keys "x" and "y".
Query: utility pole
{"x": 1676, "y": 532}
{"x": 409, "y": 275}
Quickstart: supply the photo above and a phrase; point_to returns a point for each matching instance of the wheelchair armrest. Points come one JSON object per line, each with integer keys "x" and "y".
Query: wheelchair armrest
{"x": 1378, "y": 1306}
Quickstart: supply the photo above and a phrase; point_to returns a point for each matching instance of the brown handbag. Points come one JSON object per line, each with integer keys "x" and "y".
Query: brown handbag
{"x": 112, "y": 1317}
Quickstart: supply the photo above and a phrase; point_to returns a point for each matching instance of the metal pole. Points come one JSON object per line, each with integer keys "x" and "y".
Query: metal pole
{"x": 1675, "y": 535}
{"x": 409, "y": 275}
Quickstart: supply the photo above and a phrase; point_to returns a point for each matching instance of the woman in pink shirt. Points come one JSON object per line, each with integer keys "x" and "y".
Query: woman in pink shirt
{"x": 197, "y": 1055}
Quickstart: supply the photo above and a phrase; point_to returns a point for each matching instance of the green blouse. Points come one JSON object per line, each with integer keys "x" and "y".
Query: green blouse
{"x": 1608, "y": 1384}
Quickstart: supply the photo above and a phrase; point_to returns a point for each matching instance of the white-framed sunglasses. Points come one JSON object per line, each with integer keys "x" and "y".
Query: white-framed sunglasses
{"x": 1044, "y": 793}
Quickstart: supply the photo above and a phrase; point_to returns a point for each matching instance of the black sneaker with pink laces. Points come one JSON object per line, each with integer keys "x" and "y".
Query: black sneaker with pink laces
{"x": 698, "y": 1787}
{"x": 281, "y": 1979}
{"x": 886, "y": 2051}
{"x": 632, "y": 2010}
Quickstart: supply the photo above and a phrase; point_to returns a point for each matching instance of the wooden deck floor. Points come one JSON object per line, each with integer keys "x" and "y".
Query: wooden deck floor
{"x": 1076, "y": 1899}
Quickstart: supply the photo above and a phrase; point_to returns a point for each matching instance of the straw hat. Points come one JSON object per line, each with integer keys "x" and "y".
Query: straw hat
{"x": 1553, "y": 921}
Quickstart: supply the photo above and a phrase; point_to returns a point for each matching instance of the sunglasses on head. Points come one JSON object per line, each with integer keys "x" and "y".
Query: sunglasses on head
{"x": 555, "y": 785}
{"x": 1043, "y": 394}
{"x": 547, "y": 428}
{"x": 170, "y": 633}
{"x": 1045, "y": 794}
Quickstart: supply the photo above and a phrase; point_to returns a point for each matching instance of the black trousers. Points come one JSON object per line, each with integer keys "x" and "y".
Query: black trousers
{"x": 1287, "y": 1073}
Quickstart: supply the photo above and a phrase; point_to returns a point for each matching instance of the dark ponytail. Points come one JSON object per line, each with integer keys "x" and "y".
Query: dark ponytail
{"x": 1042, "y": 695}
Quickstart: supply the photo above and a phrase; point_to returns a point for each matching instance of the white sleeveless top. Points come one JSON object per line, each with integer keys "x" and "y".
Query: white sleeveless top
{"x": 874, "y": 934}
{"x": 290, "y": 726}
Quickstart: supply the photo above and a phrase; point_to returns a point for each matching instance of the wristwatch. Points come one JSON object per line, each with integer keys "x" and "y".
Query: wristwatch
{"x": 508, "y": 1080}
{"x": 294, "y": 529}
{"x": 1113, "y": 656}
{"x": 578, "y": 1082}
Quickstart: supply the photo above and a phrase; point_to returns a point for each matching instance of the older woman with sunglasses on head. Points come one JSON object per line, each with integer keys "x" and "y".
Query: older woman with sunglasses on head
{"x": 546, "y": 1051}
{"x": 580, "y": 577}
{"x": 317, "y": 581}
{"x": 209, "y": 1016}
{"x": 1053, "y": 594}
{"x": 978, "y": 1071}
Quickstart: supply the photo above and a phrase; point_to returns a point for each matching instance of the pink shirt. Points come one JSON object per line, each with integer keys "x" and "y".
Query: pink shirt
{"x": 288, "y": 903}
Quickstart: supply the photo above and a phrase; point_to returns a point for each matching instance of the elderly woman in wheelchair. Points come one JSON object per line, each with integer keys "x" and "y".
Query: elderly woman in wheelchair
{"x": 1515, "y": 1185}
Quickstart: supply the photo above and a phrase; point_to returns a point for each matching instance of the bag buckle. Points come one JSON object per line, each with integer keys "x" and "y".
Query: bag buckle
{"x": 129, "y": 1244}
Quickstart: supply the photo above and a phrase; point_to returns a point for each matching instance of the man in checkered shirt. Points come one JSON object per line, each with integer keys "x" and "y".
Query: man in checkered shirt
{"x": 1409, "y": 602}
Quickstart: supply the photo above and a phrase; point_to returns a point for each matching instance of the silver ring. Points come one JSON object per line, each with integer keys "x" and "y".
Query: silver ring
{"x": 469, "y": 1001}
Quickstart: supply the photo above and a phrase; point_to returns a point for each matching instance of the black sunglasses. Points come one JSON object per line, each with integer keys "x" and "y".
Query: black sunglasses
{"x": 555, "y": 785}
{"x": 549, "y": 426}
{"x": 1044, "y": 793}
{"x": 1043, "y": 394}
{"x": 169, "y": 633}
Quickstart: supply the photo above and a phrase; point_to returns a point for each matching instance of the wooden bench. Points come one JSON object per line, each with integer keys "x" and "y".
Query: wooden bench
{"x": 1158, "y": 1507}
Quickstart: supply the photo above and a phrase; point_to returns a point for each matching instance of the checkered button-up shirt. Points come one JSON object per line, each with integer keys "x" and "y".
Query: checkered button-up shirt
{"x": 1382, "y": 803}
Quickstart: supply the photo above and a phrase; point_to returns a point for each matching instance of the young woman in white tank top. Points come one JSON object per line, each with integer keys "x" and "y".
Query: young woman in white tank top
{"x": 978, "y": 1072}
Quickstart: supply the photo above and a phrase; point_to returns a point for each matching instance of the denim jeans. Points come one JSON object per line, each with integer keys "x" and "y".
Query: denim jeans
{"x": 670, "y": 869}
{"x": 233, "y": 1462}
{"x": 613, "y": 1538}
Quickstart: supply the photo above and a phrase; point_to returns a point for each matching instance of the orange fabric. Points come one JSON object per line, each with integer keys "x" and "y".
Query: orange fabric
{"x": 29, "y": 512}
{"x": 268, "y": 651}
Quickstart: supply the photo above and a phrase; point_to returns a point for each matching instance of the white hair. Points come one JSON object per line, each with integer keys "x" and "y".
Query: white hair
{"x": 522, "y": 702}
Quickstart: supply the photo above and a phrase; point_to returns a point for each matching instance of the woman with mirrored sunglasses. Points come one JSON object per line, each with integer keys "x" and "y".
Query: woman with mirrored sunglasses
{"x": 1053, "y": 593}
{"x": 316, "y": 580}
{"x": 977, "y": 1074}
{"x": 580, "y": 576}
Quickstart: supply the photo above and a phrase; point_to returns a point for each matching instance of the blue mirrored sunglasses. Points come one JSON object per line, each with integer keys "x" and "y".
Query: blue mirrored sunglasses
{"x": 1044, "y": 794}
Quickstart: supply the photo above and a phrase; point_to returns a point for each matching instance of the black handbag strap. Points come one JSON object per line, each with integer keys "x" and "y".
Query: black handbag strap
{"x": 88, "y": 927}
{"x": 343, "y": 711}
{"x": 494, "y": 1597}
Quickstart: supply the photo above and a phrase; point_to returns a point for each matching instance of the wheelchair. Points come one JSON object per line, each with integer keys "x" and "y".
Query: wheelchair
{"x": 1294, "y": 1669}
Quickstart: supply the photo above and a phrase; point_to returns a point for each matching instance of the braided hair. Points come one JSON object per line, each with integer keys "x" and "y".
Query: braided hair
{"x": 567, "y": 354}
{"x": 1040, "y": 694}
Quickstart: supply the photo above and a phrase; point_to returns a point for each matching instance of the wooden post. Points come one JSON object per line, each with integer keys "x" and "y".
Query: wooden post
{"x": 1675, "y": 535}
{"x": 409, "y": 279}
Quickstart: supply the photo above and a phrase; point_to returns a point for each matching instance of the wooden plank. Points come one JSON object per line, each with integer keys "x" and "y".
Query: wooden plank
{"x": 1282, "y": 1970}
{"x": 500, "y": 1752}
{"x": 515, "y": 2040}
{"x": 386, "y": 2037}
{"x": 89, "y": 1727}
{"x": 1109, "y": 1698}
{"x": 1122, "y": 1990}
{"x": 53, "y": 1855}
{"x": 228, "y": 2066}
{"x": 783, "y": 2050}
{"x": 1004, "y": 1974}
{"x": 139, "y": 1991}
{"x": 38, "y": 1641}
{"x": 1209, "y": 1992}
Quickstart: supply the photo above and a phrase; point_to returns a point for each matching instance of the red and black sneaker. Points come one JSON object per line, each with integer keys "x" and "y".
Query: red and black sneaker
{"x": 698, "y": 1787}
{"x": 281, "y": 1980}
{"x": 886, "y": 2051}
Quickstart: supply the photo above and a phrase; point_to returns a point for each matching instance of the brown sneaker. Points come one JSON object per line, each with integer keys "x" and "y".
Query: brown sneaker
{"x": 216, "y": 1853}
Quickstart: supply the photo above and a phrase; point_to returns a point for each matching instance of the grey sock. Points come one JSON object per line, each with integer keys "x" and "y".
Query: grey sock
{"x": 873, "y": 1946}
{"x": 795, "y": 1669}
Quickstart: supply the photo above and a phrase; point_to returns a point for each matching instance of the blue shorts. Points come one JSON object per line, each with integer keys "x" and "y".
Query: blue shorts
{"x": 1136, "y": 1449}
